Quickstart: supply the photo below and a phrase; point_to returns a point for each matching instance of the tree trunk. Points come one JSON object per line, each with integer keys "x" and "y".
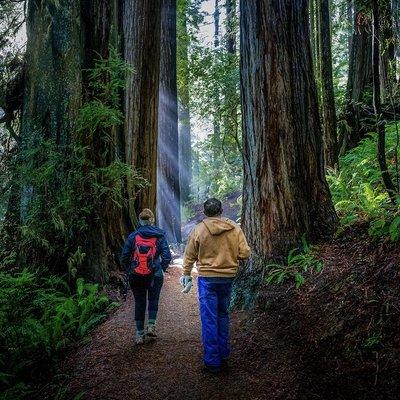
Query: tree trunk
{"x": 53, "y": 81}
{"x": 317, "y": 50}
{"x": 315, "y": 37}
{"x": 216, "y": 100}
{"x": 350, "y": 19}
{"x": 380, "y": 124}
{"x": 51, "y": 104}
{"x": 311, "y": 13}
{"x": 63, "y": 40}
{"x": 142, "y": 30}
{"x": 387, "y": 50}
{"x": 103, "y": 244}
{"x": 328, "y": 99}
{"x": 396, "y": 28}
{"x": 359, "y": 84}
{"x": 230, "y": 7}
{"x": 285, "y": 191}
{"x": 168, "y": 192}
{"x": 231, "y": 98}
{"x": 185, "y": 141}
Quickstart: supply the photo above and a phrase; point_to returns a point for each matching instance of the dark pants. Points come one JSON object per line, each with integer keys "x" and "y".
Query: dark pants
{"x": 215, "y": 297}
{"x": 146, "y": 292}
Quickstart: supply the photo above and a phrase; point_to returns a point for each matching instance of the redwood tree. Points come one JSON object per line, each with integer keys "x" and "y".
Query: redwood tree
{"x": 359, "y": 83}
{"x": 142, "y": 31}
{"x": 285, "y": 191}
{"x": 100, "y": 29}
{"x": 53, "y": 81}
{"x": 396, "y": 30}
{"x": 230, "y": 9}
{"x": 380, "y": 125}
{"x": 63, "y": 40}
{"x": 168, "y": 191}
{"x": 185, "y": 141}
{"x": 328, "y": 99}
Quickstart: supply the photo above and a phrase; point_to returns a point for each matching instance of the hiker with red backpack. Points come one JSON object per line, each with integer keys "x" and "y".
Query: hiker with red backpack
{"x": 216, "y": 245}
{"x": 146, "y": 257}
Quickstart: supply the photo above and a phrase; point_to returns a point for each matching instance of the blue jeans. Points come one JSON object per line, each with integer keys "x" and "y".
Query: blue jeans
{"x": 215, "y": 297}
{"x": 146, "y": 292}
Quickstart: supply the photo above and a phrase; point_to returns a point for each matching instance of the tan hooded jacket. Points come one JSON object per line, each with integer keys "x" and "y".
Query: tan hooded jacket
{"x": 216, "y": 245}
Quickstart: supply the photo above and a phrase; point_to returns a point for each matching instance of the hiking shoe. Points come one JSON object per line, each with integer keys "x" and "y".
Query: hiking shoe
{"x": 139, "y": 340}
{"x": 151, "y": 331}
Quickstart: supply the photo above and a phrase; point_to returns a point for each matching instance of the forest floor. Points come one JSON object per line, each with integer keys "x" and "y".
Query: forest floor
{"x": 337, "y": 337}
{"x": 112, "y": 367}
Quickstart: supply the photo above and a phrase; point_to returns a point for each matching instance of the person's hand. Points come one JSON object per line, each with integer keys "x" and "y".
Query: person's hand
{"x": 186, "y": 283}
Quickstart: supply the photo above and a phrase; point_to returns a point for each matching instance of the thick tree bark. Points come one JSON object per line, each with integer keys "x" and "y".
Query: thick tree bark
{"x": 168, "y": 192}
{"x": 185, "y": 140}
{"x": 142, "y": 30}
{"x": 328, "y": 99}
{"x": 380, "y": 125}
{"x": 63, "y": 40}
{"x": 100, "y": 33}
{"x": 359, "y": 84}
{"x": 52, "y": 97}
{"x": 285, "y": 191}
{"x": 53, "y": 81}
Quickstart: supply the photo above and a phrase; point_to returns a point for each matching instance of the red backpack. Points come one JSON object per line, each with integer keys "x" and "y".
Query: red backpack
{"x": 143, "y": 255}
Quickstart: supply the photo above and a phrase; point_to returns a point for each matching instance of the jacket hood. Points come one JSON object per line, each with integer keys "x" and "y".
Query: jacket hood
{"x": 216, "y": 226}
{"x": 149, "y": 231}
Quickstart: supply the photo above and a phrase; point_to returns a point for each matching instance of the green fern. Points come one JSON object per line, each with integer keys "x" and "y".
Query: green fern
{"x": 298, "y": 262}
{"x": 39, "y": 317}
{"x": 358, "y": 192}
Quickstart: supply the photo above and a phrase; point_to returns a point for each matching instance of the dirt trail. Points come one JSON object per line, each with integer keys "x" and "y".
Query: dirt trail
{"x": 111, "y": 367}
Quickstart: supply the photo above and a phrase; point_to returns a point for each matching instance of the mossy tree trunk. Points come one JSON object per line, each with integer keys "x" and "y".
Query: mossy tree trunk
{"x": 65, "y": 39}
{"x": 285, "y": 191}
{"x": 51, "y": 104}
{"x": 100, "y": 28}
{"x": 53, "y": 80}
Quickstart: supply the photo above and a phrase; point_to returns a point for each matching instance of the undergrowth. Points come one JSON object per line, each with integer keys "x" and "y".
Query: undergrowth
{"x": 40, "y": 316}
{"x": 65, "y": 189}
{"x": 298, "y": 262}
{"x": 58, "y": 193}
{"x": 357, "y": 190}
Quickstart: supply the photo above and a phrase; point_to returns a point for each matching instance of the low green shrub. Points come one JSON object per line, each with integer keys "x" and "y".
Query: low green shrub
{"x": 358, "y": 192}
{"x": 299, "y": 261}
{"x": 39, "y": 317}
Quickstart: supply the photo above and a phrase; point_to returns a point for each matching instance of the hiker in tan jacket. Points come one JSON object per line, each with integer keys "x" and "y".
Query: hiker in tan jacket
{"x": 216, "y": 245}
